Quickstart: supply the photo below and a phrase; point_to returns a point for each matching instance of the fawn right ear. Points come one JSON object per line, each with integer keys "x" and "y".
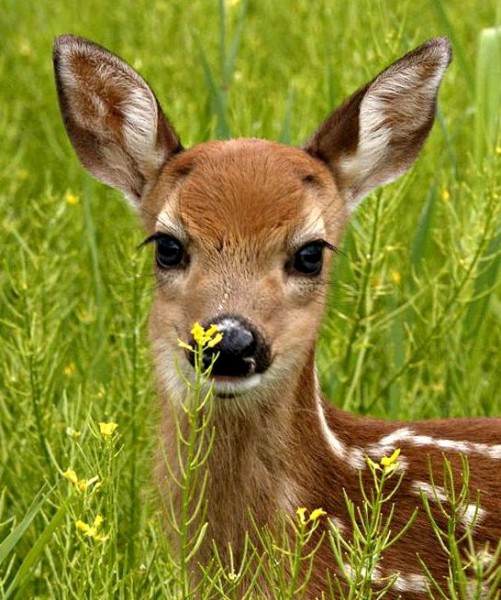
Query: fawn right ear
{"x": 112, "y": 117}
{"x": 376, "y": 135}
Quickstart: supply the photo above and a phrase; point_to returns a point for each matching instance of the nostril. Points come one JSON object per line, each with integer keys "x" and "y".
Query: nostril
{"x": 242, "y": 351}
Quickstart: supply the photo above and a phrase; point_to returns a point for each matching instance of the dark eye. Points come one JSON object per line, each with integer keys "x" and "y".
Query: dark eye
{"x": 170, "y": 252}
{"x": 309, "y": 259}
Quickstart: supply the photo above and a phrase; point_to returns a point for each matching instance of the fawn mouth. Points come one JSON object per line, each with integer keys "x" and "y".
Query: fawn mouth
{"x": 229, "y": 387}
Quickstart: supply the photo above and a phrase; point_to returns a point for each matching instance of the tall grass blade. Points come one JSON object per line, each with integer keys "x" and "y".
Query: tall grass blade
{"x": 11, "y": 541}
{"x": 231, "y": 57}
{"x": 422, "y": 236}
{"x": 451, "y": 32}
{"x": 487, "y": 134}
{"x": 217, "y": 97}
{"x": 484, "y": 283}
{"x": 219, "y": 85}
{"x": 91, "y": 238}
{"x": 286, "y": 132}
{"x": 488, "y": 94}
{"x": 20, "y": 579}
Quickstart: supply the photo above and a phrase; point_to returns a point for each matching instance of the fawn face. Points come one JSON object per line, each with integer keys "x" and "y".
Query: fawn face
{"x": 244, "y": 231}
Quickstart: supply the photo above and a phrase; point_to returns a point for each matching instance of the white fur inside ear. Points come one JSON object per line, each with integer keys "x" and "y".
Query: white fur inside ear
{"x": 140, "y": 128}
{"x": 372, "y": 147}
{"x": 137, "y": 105}
{"x": 112, "y": 116}
{"x": 397, "y": 104}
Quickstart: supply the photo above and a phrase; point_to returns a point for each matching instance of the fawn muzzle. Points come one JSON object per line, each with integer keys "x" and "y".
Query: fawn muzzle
{"x": 241, "y": 353}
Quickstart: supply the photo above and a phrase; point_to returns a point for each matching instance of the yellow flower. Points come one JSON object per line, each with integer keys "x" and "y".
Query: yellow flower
{"x": 301, "y": 515}
{"x": 204, "y": 338}
{"x": 74, "y": 433}
{"x": 80, "y": 484}
{"x": 107, "y": 429}
{"x": 198, "y": 332}
{"x": 25, "y": 48}
{"x": 91, "y": 531}
{"x": 71, "y": 476}
{"x": 98, "y": 521}
{"x": 446, "y": 195}
{"x": 396, "y": 277}
{"x": 316, "y": 514}
{"x": 390, "y": 463}
{"x": 69, "y": 369}
{"x": 71, "y": 198}
{"x": 214, "y": 341}
{"x": 85, "y": 483}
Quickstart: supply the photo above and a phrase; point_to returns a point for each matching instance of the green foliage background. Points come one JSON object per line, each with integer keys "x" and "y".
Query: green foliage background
{"x": 413, "y": 329}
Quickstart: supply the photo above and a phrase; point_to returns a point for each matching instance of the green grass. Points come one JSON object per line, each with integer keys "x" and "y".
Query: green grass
{"x": 413, "y": 328}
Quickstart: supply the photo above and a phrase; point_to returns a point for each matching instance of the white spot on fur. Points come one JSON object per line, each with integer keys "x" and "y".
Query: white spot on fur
{"x": 350, "y": 573}
{"x": 435, "y": 493}
{"x": 335, "y": 444}
{"x": 337, "y": 525}
{"x": 411, "y": 583}
{"x": 398, "y": 435}
{"x": 357, "y": 458}
{"x": 473, "y": 591}
{"x": 493, "y": 451}
{"x": 473, "y": 514}
{"x": 391, "y": 441}
{"x": 402, "y": 583}
{"x": 353, "y": 456}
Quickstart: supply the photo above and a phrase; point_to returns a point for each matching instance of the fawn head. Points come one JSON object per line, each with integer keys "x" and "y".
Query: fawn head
{"x": 243, "y": 229}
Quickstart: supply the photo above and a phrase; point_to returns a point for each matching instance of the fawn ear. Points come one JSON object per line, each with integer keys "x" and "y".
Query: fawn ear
{"x": 111, "y": 115}
{"x": 377, "y": 133}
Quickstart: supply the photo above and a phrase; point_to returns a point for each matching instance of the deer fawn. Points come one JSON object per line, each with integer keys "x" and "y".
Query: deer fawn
{"x": 244, "y": 231}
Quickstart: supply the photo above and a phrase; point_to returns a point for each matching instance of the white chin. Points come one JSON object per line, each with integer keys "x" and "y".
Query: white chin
{"x": 234, "y": 386}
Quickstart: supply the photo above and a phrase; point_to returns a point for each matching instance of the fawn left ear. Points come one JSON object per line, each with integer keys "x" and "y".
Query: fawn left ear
{"x": 377, "y": 133}
{"x": 112, "y": 117}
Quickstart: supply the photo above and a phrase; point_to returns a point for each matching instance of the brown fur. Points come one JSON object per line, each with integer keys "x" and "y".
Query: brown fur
{"x": 241, "y": 209}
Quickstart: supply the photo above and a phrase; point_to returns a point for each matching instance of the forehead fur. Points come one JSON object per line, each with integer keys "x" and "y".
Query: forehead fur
{"x": 242, "y": 189}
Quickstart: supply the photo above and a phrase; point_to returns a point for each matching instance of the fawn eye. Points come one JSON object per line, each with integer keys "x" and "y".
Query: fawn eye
{"x": 309, "y": 259}
{"x": 170, "y": 252}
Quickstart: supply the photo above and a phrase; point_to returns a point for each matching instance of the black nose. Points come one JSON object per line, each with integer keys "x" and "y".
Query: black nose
{"x": 243, "y": 351}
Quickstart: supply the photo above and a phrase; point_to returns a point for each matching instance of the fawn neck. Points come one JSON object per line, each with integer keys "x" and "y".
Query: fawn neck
{"x": 259, "y": 462}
